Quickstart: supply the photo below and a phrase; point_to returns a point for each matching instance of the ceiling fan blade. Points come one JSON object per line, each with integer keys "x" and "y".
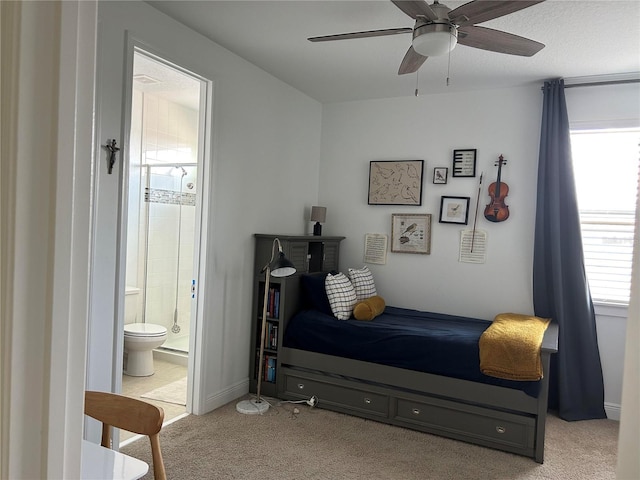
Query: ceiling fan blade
{"x": 370, "y": 33}
{"x": 416, "y": 8}
{"x": 480, "y": 11}
{"x": 411, "y": 62}
{"x": 497, "y": 41}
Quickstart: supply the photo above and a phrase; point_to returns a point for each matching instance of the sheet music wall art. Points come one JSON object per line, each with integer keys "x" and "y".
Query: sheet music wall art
{"x": 464, "y": 163}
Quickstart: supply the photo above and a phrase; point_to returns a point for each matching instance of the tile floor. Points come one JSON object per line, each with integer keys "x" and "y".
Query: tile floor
{"x": 165, "y": 373}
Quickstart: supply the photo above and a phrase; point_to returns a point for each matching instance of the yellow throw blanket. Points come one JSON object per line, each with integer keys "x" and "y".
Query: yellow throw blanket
{"x": 510, "y": 347}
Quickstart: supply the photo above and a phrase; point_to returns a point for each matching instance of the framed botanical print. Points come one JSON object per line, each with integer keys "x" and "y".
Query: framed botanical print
{"x": 411, "y": 233}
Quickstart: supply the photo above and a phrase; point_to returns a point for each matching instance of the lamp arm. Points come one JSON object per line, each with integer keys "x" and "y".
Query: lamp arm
{"x": 273, "y": 253}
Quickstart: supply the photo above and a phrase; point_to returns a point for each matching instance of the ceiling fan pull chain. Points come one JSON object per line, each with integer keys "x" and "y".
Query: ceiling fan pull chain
{"x": 417, "y": 77}
{"x": 449, "y": 60}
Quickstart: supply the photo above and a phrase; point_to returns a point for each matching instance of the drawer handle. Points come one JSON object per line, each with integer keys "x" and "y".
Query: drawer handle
{"x": 367, "y": 400}
{"x": 301, "y": 386}
{"x": 416, "y": 411}
{"x": 501, "y": 429}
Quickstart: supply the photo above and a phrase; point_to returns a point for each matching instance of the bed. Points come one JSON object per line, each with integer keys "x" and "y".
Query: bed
{"x": 362, "y": 368}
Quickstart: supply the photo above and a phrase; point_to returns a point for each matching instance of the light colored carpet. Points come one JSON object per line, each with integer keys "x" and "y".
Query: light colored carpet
{"x": 174, "y": 392}
{"x": 317, "y": 444}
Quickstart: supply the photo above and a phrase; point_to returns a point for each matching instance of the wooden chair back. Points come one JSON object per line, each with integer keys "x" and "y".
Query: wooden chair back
{"x": 128, "y": 414}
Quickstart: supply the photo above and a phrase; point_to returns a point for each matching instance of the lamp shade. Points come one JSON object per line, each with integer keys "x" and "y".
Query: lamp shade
{"x": 318, "y": 214}
{"x": 282, "y": 266}
{"x": 435, "y": 39}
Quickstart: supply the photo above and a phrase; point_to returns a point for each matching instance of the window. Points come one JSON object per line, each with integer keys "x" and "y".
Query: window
{"x": 606, "y": 172}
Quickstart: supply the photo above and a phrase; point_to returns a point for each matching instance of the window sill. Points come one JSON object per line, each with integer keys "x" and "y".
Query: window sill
{"x": 611, "y": 310}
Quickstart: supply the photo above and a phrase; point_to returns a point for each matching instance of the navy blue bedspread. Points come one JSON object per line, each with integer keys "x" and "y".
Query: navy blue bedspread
{"x": 423, "y": 341}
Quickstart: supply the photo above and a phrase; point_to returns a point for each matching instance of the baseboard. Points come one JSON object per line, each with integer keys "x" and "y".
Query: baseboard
{"x": 228, "y": 395}
{"x": 612, "y": 410}
{"x": 177, "y": 358}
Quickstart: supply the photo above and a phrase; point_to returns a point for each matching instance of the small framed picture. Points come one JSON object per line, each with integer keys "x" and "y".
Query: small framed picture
{"x": 411, "y": 233}
{"x": 454, "y": 210}
{"x": 440, "y": 175}
{"x": 464, "y": 163}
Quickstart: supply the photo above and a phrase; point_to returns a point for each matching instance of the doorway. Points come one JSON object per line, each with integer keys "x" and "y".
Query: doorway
{"x": 165, "y": 161}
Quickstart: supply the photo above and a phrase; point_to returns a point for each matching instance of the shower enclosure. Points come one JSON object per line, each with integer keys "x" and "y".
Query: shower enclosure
{"x": 169, "y": 208}
{"x": 161, "y": 247}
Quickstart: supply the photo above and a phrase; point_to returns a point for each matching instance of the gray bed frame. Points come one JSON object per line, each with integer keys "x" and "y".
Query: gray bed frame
{"x": 487, "y": 415}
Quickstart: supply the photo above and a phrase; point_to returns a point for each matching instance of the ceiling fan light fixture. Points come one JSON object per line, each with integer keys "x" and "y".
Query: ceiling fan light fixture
{"x": 435, "y": 39}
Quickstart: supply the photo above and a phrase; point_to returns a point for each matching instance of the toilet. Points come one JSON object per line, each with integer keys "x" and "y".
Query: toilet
{"x": 139, "y": 338}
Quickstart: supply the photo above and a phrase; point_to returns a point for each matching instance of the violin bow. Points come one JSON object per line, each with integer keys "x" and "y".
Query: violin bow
{"x": 475, "y": 219}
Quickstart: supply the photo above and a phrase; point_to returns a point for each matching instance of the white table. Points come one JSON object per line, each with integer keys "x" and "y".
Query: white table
{"x": 100, "y": 463}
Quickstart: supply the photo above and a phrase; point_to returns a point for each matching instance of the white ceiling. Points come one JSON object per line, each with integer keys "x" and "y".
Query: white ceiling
{"x": 165, "y": 81}
{"x": 582, "y": 38}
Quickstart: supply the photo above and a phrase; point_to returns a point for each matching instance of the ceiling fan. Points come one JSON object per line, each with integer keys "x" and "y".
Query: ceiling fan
{"x": 438, "y": 29}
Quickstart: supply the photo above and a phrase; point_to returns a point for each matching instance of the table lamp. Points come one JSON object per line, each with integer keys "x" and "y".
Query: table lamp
{"x": 318, "y": 215}
{"x": 281, "y": 266}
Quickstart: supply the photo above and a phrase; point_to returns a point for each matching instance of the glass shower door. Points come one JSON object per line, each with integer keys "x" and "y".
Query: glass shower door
{"x": 170, "y": 204}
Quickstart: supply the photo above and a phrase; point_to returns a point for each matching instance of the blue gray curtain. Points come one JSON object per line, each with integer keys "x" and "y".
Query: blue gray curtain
{"x": 560, "y": 288}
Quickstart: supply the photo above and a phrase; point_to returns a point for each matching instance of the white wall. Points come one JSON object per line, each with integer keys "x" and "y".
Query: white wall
{"x": 611, "y": 325}
{"x": 265, "y": 153}
{"x": 430, "y": 127}
{"x": 604, "y": 106}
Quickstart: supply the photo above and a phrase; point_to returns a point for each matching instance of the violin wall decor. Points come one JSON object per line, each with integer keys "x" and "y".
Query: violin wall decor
{"x": 497, "y": 210}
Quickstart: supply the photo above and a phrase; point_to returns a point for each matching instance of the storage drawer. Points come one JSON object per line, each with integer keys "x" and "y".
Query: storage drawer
{"x": 469, "y": 421}
{"x": 338, "y": 396}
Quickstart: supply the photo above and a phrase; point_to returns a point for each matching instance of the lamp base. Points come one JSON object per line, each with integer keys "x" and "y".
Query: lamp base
{"x": 252, "y": 407}
{"x": 317, "y": 229}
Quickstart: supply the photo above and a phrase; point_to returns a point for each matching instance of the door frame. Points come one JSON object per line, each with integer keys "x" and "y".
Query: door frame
{"x": 195, "y": 401}
{"x": 44, "y": 304}
{"x": 195, "y": 358}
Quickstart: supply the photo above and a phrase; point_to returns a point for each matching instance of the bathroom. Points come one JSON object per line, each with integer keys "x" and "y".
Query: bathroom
{"x": 161, "y": 235}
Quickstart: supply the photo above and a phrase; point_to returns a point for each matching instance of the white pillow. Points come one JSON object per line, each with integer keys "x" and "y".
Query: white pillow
{"x": 362, "y": 281}
{"x": 341, "y": 295}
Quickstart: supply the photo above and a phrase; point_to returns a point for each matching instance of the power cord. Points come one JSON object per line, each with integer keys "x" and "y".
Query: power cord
{"x": 312, "y": 402}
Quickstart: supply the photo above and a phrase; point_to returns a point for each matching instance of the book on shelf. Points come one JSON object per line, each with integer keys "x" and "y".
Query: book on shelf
{"x": 271, "y": 336}
{"x": 271, "y": 307}
{"x": 273, "y": 302}
{"x": 269, "y": 369}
